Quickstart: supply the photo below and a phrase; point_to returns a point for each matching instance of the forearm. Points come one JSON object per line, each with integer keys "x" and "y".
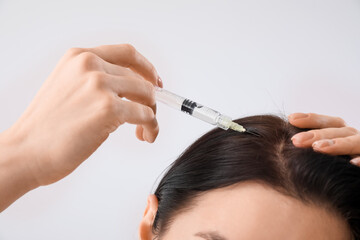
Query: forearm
{"x": 15, "y": 178}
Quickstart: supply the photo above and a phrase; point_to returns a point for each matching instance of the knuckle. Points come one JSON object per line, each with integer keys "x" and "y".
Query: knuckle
{"x": 352, "y": 130}
{"x": 148, "y": 114}
{"x": 150, "y": 91}
{"x": 74, "y": 51}
{"x": 318, "y": 134}
{"x": 108, "y": 104}
{"x": 130, "y": 49}
{"x": 87, "y": 60}
{"x": 130, "y": 52}
{"x": 96, "y": 79}
{"x": 312, "y": 115}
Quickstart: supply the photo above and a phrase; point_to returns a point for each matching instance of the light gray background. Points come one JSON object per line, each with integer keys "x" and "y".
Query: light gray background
{"x": 239, "y": 57}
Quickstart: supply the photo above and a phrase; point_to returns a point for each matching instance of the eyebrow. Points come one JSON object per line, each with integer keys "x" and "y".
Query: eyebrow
{"x": 210, "y": 235}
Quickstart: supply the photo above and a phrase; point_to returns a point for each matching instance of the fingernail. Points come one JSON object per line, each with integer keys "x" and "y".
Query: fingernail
{"x": 302, "y": 137}
{"x": 296, "y": 116}
{"x": 323, "y": 143}
{"x": 160, "y": 82}
{"x": 355, "y": 161}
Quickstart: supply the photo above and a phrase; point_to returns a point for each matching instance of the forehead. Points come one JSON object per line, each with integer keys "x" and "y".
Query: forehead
{"x": 251, "y": 211}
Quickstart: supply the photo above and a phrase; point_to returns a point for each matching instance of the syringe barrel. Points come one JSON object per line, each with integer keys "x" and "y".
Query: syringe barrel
{"x": 194, "y": 109}
{"x": 206, "y": 114}
{"x": 169, "y": 98}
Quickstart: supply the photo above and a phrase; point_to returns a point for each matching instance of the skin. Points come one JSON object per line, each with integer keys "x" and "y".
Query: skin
{"x": 248, "y": 211}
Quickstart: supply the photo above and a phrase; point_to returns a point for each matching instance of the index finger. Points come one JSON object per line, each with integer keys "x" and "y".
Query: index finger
{"x": 313, "y": 120}
{"x": 127, "y": 56}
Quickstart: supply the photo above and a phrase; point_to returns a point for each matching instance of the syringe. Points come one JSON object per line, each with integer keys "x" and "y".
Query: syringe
{"x": 197, "y": 110}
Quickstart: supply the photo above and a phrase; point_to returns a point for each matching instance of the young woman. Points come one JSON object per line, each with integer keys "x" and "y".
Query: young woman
{"x": 230, "y": 185}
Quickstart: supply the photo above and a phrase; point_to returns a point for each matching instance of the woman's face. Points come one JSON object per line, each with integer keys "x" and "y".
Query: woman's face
{"x": 253, "y": 211}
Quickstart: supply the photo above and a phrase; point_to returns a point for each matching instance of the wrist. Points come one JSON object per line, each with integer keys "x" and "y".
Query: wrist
{"x": 16, "y": 179}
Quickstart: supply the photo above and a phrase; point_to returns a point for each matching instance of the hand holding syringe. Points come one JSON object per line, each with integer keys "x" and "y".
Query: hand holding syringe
{"x": 197, "y": 110}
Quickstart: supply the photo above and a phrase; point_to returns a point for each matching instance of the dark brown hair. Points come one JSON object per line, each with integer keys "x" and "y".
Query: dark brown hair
{"x": 223, "y": 158}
